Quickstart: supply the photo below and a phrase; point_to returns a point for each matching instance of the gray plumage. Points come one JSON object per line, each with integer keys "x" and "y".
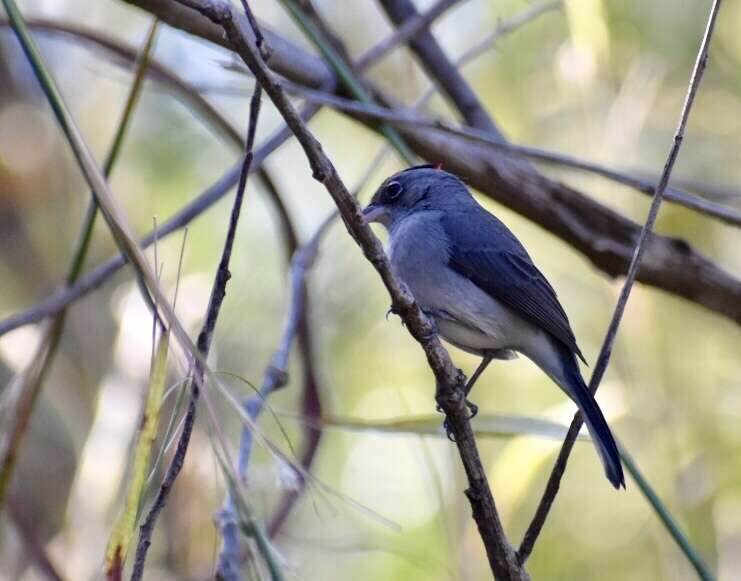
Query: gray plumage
{"x": 475, "y": 279}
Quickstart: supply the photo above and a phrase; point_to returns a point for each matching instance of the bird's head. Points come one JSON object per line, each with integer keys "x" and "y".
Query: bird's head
{"x": 422, "y": 187}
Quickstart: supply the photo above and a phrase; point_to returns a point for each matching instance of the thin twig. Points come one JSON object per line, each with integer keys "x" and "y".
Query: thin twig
{"x": 406, "y": 31}
{"x": 218, "y": 292}
{"x": 603, "y": 360}
{"x": 275, "y": 377}
{"x": 449, "y": 380}
{"x": 406, "y": 118}
{"x": 311, "y": 404}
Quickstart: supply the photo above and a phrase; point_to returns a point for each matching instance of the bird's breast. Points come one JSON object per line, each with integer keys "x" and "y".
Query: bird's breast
{"x": 466, "y": 316}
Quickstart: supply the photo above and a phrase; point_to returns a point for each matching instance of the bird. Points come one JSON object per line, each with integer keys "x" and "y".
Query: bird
{"x": 481, "y": 290}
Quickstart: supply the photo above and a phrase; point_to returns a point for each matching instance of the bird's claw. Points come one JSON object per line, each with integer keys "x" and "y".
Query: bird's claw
{"x": 448, "y": 431}
{"x": 473, "y": 410}
{"x": 393, "y": 311}
{"x": 432, "y": 317}
{"x": 446, "y": 424}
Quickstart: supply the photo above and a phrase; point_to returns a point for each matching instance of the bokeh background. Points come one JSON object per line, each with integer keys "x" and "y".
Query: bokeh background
{"x": 599, "y": 79}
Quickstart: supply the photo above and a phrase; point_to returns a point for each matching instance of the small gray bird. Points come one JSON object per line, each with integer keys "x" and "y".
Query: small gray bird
{"x": 478, "y": 284}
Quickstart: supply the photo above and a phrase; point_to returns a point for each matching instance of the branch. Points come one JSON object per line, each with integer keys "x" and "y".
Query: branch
{"x": 406, "y": 118}
{"x": 218, "y": 292}
{"x": 408, "y": 30}
{"x": 449, "y": 379}
{"x": 311, "y": 405}
{"x": 602, "y": 235}
{"x": 275, "y": 377}
{"x": 438, "y": 67}
{"x": 603, "y": 360}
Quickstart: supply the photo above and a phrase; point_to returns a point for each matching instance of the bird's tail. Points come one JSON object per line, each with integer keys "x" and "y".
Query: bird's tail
{"x": 595, "y": 420}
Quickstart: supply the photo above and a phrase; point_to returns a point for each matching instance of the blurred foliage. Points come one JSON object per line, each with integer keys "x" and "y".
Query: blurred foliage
{"x": 600, "y": 79}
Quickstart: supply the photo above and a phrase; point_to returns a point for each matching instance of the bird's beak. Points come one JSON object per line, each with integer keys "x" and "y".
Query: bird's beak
{"x": 374, "y": 213}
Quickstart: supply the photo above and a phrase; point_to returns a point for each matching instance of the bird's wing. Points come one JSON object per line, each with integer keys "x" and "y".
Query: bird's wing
{"x": 485, "y": 251}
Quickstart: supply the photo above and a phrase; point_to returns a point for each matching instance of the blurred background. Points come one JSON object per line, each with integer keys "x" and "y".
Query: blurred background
{"x": 599, "y": 79}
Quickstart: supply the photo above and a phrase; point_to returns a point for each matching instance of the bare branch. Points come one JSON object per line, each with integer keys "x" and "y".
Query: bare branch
{"x": 603, "y": 360}
{"x": 311, "y": 405}
{"x": 218, "y": 292}
{"x": 275, "y": 377}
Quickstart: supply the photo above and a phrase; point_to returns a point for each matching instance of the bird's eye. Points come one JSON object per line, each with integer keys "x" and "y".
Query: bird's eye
{"x": 393, "y": 190}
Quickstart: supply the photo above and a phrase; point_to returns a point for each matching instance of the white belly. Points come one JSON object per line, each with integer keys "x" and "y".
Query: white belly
{"x": 472, "y": 340}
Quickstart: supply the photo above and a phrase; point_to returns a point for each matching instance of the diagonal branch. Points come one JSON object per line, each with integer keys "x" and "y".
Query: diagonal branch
{"x": 449, "y": 379}
{"x": 603, "y": 360}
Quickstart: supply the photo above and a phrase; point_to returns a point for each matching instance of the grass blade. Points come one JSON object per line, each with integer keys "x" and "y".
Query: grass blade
{"x": 124, "y": 529}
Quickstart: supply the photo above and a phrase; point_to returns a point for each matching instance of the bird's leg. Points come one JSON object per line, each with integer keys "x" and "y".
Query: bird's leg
{"x": 472, "y": 407}
{"x": 486, "y": 359}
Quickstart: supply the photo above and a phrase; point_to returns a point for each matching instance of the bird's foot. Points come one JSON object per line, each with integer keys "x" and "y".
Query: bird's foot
{"x": 472, "y": 408}
{"x": 446, "y": 424}
{"x": 394, "y": 311}
{"x": 448, "y": 431}
{"x": 432, "y": 316}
